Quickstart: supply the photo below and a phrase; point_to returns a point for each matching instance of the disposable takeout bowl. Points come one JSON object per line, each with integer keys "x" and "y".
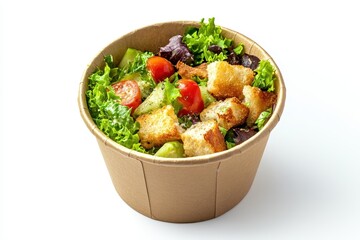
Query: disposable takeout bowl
{"x": 180, "y": 189}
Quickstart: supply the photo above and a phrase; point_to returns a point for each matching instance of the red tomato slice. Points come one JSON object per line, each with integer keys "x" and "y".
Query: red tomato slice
{"x": 129, "y": 93}
{"x": 190, "y": 97}
{"x": 160, "y": 68}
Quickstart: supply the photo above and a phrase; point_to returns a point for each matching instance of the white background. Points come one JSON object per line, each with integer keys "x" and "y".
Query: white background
{"x": 54, "y": 183}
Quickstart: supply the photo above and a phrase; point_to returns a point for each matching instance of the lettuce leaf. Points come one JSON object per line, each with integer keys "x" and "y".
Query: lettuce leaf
{"x": 238, "y": 135}
{"x": 176, "y": 51}
{"x": 186, "y": 121}
{"x": 263, "y": 117}
{"x": 172, "y": 93}
{"x": 198, "y": 40}
{"x": 265, "y": 77}
{"x": 139, "y": 64}
{"x": 111, "y": 117}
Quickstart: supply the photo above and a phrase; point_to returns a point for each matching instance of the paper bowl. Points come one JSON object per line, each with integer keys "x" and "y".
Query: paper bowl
{"x": 180, "y": 189}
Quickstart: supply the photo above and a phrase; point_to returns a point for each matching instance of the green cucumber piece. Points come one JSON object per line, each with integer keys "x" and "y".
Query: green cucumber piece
{"x": 154, "y": 101}
{"x": 146, "y": 87}
{"x": 173, "y": 149}
{"x": 206, "y": 96}
{"x": 129, "y": 56}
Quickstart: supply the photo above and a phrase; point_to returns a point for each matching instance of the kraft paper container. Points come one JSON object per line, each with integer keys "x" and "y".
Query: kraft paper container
{"x": 180, "y": 189}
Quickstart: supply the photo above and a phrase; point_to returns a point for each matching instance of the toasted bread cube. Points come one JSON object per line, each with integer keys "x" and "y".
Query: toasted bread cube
{"x": 186, "y": 71}
{"x": 228, "y": 113}
{"x": 226, "y": 80}
{"x": 159, "y": 127}
{"x": 203, "y": 138}
{"x": 257, "y": 101}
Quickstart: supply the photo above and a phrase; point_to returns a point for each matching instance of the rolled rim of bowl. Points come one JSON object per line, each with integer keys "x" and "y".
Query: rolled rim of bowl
{"x": 197, "y": 160}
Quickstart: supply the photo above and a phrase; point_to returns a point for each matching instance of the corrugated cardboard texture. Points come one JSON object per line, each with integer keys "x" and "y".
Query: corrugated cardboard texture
{"x": 180, "y": 189}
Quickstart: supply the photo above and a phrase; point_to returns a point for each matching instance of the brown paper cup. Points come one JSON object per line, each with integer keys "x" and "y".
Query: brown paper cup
{"x": 180, "y": 189}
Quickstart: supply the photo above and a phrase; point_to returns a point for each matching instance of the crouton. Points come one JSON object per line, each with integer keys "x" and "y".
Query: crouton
{"x": 228, "y": 113}
{"x": 226, "y": 80}
{"x": 257, "y": 101}
{"x": 186, "y": 71}
{"x": 203, "y": 138}
{"x": 159, "y": 127}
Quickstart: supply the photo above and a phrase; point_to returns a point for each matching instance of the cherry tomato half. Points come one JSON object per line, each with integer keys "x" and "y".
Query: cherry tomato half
{"x": 190, "y": 97}
{"x": 129, "y": 93}
{"x": 160, "y": 68}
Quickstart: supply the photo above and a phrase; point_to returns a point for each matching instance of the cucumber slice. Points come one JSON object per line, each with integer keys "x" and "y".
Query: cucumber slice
{"x": 154, "y": 101}
{"x": 145, "y": 86}
{"x": 206, "y": 96}
{"x": 129, "y": 56}
{"x": 173, "y": 149}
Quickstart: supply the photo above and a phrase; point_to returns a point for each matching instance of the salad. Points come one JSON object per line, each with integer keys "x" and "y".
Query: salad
{"x": 197, "y": 95}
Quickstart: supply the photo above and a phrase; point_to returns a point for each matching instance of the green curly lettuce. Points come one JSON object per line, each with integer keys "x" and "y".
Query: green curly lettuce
{"x": 111, "y": 117}
{"x": 199, "y": 39}
{"x": 263, "y": 118}
{"x": 138, "y": 65}
{"x": 265, "y": 76}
